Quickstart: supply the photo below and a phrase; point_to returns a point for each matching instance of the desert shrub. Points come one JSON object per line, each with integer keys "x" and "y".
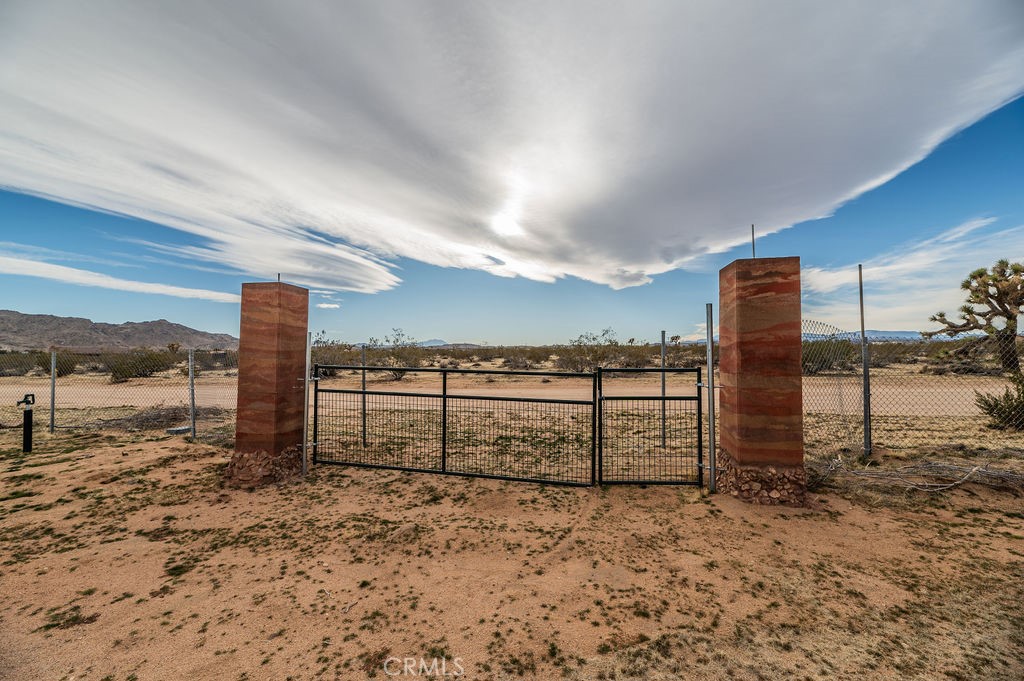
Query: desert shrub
{"x": 828, "y": 355}
{"x": 209, "y": 360}
{"x": 17, "y": 363}
{"x": 517, "y": 361}
{"x": 687, "y": 356}
{"x": 588, "y": 351}
{"x": 488, "y": 353}
{"x": 138, "y": 364}
{"x": 1006, "y": 411}
{"x": 969, "y": 357}
{"x": 334, "y": 352}
{"x": 397, "y": 352}
{"x": 638, "y": 356}
{"x": 538, "y": 354}
{"x": 66, "y": 362}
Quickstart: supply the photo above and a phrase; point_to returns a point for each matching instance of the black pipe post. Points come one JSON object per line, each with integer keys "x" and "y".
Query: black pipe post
{"x": 26, "y": 423}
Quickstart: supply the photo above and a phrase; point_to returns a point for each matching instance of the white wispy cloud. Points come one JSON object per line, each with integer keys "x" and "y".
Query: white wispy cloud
{"x": 328, "y": 306}
{"x": 71, "y": 275}
{"x": 905, "y": 286}
{"x": 18, "y": 250}
{"x": 610, "y": 142}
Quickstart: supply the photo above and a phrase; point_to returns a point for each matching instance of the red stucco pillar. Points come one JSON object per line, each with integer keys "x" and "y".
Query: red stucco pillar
{"x": 761, "y": 400}
{"x": 271, "y": 364}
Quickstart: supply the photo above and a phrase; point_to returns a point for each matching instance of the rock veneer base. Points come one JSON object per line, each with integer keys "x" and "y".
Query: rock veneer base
{"x": 761, "y": 398}
{"x": 255, "y": 469}
{"x": 271, "y": 365}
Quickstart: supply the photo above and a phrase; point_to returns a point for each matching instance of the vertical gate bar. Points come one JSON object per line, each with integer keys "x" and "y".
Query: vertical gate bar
{"x": 663, "y": 389}
{"x": 53, "y": 390}
{"x": 600, "y": 427}
{"x": 305, "y": 404}
{"x": 363, "y": 384}
{"x": 712, "y": 449}
{"x": 316, "y": 410}
{"x": 192, "y": 391}
{"x": 593, "y": 432}
{"x": 444, "y": 421}
{"x": 700, "y": 436}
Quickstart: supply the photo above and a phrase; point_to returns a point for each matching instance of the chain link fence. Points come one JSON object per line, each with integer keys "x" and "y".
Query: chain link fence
{"x": 192, "y": 391}
{"x": 910, "y": 393}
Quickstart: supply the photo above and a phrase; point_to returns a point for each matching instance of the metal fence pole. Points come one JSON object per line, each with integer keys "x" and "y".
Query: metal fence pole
{"x": 663, "y": 389}
{"x": 305, "y": 404}
{"x": 600, "y": 427}
{"x": 712, "y": 450}
{"x": 53, "y": 390}
{"x": 593, "y": 432}
{"x": 444, "y": 420}
{"x": 192, "y": 390}
{"x": 364, "y": 393}
{"x": 865, "y": 352}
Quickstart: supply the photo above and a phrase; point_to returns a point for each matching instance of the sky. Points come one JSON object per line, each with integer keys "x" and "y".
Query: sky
{"x": 501, "y": 172}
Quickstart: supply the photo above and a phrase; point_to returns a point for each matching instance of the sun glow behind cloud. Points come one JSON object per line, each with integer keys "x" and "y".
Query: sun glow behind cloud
{"x": 609, "y": 142}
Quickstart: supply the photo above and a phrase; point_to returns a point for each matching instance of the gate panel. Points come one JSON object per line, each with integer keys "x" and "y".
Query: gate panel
{"x": 544, "y": 439}
{"x": 521, "y": 439}
{"x": 371, "y": 428}
{"x": 651, "y": 439}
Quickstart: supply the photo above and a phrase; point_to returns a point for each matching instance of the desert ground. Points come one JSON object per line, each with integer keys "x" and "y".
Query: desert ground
{"x": 123, "y": 557}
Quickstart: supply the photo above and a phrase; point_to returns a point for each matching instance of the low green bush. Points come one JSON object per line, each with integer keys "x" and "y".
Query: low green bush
{"x": 66, "y": 362}
{"x": 1006, "y": 411}
{"x": 138, "y": 364}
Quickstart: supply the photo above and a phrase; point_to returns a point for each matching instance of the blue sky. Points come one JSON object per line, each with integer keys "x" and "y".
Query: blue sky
{"x": 464, "y": 212}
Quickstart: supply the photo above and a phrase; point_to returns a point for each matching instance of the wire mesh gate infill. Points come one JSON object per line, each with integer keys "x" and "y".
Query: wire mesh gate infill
{"x": 489, "y": 429}
{"x": 651, "y": 439}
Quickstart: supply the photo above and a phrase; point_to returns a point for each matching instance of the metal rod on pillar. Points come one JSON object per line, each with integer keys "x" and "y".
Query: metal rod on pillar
{"x": 753, "y": 250}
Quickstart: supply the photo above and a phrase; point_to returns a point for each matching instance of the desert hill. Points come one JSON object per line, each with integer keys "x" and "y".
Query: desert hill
{"x": 20, "y": 331}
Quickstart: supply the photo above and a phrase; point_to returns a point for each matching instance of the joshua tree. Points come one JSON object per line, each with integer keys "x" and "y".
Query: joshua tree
{"x": 993, "y": 297}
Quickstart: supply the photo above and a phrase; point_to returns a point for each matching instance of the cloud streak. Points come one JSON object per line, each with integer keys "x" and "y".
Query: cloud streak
{"x": 605, "y": 141}
{"x": 910, "y": 282}
{"x": 71, "y": 275}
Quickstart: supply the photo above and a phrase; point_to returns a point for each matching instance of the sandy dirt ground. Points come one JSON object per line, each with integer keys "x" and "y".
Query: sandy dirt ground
{"x": 122, "y": 557}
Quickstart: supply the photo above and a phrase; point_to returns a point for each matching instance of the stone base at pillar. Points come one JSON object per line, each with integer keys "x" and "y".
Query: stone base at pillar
{"x": 253, "y": 469}
{"x": 762, "y": 483}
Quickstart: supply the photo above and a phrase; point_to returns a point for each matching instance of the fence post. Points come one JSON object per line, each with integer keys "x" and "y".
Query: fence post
{"x": 713, "y": 472}
{"x": 600, "y": 427}
{"x": 192, "y": 390}
{"x": 593, "y": 432}
{"x": 364, "y": 393}
{"x": 444, "y": 421}
{"x": 865, "y": 352}
{"x": 305, "y": 404}
{"x": 53, "y": 390}
{"x": 663, "y": 389}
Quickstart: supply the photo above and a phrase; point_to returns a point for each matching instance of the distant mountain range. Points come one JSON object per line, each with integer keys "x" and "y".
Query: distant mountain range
{"x": 42, "y": 331}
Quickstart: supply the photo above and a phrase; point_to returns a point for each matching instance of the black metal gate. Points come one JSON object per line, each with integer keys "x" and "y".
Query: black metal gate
{"x": 493, "y": 424}
{"x": 651, "y": 439}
